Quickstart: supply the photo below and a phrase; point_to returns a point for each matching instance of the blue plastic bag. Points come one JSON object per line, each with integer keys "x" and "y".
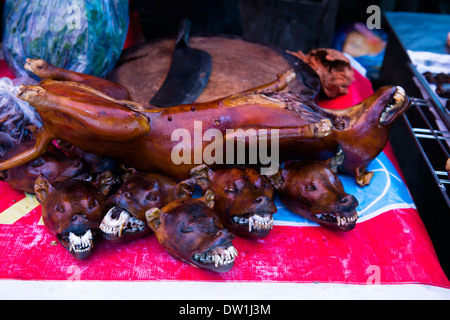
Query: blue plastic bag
{"x": 80, "y": 35}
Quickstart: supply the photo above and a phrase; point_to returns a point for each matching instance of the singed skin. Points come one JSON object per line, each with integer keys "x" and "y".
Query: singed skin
{"x": 144, "y": 190}
{"x": 81, "y": 116}
{"x": 45, "y": 70}
{"x": 311, "y": 189}
{"x": 71, "y": 206}
{"x": 54, "y": 164}
{"x": 359, "y": 132}
{"x": 240, "y": 193}
{"x": 189, "y": 227}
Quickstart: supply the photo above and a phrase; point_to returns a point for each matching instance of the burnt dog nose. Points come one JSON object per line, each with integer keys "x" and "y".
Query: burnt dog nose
{"x": 343, "y": 199}
{"x": 262, "y": 199}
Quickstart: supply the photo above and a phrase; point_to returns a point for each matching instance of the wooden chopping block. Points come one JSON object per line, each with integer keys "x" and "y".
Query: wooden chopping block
{"x": 237, "y": 65}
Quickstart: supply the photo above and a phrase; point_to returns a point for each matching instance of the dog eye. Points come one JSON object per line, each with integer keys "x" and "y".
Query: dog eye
{"x": 38, "y": 162}
{"x": 231, "y": 190}
{"x": 186, "y": 229}
{"x": 311, "y": 187}
{"x": 92, "y": 203}
{"x": 60, "y": 208}
{"x": 152, "y": 197}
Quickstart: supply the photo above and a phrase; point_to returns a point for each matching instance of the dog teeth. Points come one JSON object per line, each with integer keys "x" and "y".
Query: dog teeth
{"x": 82, "y": 243}
{"x": 399, "y": 97}
{"x": 256, "y": 222}
{"x": 125, "y": 222}
{"x": 219, "y": 257}
{"x": 340, "y": 221}
{"x": 399, "y": 94}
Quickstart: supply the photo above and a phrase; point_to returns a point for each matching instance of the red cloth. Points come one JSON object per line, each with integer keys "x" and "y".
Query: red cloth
{"x": 134, "y": 34}
{"x": 391, "y": 248}
{"x": 5, "y": 71}
{"x": 360, "y": 89}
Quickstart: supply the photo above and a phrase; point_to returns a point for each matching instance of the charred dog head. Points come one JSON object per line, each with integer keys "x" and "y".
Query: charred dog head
{"x": 190, "y": 231}
{"x": 54, "y": 165}
{"x": 313, "y": 190}
{"x": 125, "y": 219}
{"x": 103, "y": 172}
{"x": 243, "y": 198}
{"x": 72, "y": 211}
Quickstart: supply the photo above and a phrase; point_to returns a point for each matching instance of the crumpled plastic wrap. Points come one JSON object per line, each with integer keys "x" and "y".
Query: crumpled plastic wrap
{"x": 16, "y": 115}
{"x": 80, "y": 35}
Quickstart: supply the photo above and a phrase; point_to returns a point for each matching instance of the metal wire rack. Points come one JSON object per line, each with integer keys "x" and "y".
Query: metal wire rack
{"x": 432, "y": 139}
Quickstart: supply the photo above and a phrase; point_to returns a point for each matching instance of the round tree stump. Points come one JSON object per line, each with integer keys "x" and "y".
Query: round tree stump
{"x": 237, "y": 65}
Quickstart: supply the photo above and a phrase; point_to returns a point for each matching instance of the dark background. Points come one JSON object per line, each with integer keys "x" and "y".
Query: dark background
{"x": 289, "y": 24}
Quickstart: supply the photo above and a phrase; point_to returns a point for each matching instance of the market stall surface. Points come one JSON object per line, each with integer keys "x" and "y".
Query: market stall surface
{"x": 388, "y": 255}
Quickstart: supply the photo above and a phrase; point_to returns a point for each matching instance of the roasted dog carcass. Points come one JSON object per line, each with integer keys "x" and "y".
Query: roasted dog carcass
{"x": 97, "y": 123}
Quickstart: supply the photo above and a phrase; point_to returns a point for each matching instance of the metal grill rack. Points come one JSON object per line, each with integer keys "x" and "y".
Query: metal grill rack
{"x": 421, "y": 139}
{"x": 433, "y": 142}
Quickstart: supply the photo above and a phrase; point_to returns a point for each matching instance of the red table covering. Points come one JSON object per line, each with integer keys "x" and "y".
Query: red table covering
{"x": 388, "y": 245}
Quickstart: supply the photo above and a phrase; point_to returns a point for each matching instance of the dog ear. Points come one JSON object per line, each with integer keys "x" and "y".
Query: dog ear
{"x": 186, "y": 188}
{"x": 335, "y": 163}
{"x": 42, "y": 188}
{"x": 276, "y": 180}
{"x": 153, "y": 217}
{"x": 105, "y": 182}
{"x": 127, "y": 172}
{"x": 202, "y": 175}
{"x": 208, "y": 198}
